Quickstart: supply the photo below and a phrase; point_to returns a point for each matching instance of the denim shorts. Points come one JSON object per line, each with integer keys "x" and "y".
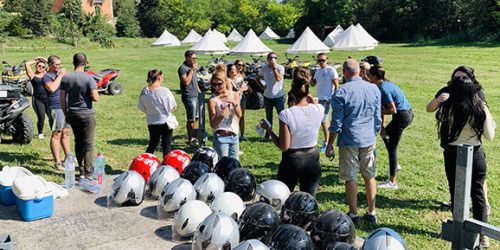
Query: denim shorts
{"x": 59, "y": 120}
{"x": 191, "y": 105}
{"x": 326, "y": 104}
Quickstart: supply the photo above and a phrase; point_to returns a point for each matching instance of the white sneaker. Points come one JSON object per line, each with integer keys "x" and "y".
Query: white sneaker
{"x": 397, "y": 169}
{"x": 40, "y": 136}
{"x": 388, "y": 184}
{"x": 484, "y": 241}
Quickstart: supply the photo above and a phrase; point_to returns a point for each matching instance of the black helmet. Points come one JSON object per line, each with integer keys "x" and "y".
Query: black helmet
{"x": 373, "y": 60}
{"x": 258, "y": 221}
{"x": 290, "y": 237}
{"x": 300, "y": 209}
{"x": 241, "y": 182}
{"x": 332, "y": 226}
{"x": 206, "y": 155}
{"x": 339, "y": 245}
{"x": 225, "y": 165}
{"x": 195, "y": 170}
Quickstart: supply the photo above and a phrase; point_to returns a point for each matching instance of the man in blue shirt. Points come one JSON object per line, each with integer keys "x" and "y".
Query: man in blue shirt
{"x": 356, "y": 120}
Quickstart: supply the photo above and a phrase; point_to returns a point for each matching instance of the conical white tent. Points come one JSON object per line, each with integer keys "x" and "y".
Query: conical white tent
{"x": 166, "y": 39}
{"x": 291, "y": 34}
{"x": 234, "y": 36}
{"x": 210, "y": 43}
{"x": 220, "y": 35}
{"x": 365, "y": 33}
{"x": 268, "y": 34}
{"x": 251, "y": 44}
{"x": 192, "y": 37}
{"x": 330, "y": 39}
{"x": 308, "y": 43}
{"x": 352, "y": 39}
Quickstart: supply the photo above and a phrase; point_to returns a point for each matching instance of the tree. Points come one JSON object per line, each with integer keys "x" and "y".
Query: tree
{"x": 36, "y": 16}
{"x": 280, "y": 17}
{"x": 127, "y": 24}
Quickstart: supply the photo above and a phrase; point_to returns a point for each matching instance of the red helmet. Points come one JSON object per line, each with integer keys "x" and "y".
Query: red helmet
{"x": 145, "y": 164}
{"x": 177, "y": 159}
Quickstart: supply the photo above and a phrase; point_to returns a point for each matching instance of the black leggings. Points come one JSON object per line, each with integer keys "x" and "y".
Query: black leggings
{"x": 394, "y": 131}
{"x": 41, "y": 107}
{"x": 302, "y": 165}
{"x": 156, "y": 132}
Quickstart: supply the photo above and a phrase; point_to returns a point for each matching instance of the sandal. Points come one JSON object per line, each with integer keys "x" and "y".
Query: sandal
{"x": 59, "y": 166}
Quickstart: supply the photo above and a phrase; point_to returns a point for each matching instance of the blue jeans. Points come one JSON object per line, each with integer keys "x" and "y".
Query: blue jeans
{"x": 227, "y": 145}
{"x": 270, "y": 103}
{"x": 202, "y": 135}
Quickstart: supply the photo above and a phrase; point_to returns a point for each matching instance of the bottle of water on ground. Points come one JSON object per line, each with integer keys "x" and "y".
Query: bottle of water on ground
{"x": 98, "y": 180}
{"x": 69, "y": 171}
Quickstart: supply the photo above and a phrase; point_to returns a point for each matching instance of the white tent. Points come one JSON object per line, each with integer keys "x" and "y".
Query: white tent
{"x": 291, "y": 34}
{"x": 234, "y": 36}
{"x": 220, "y": 35}
{"x": 192, "y": 37}
{"x": 268, "y": 34}
{"x": 308, "y": 43}
{"x": 210, "y": 43}
{"x": 330, "y": 39}
{"x": 251, "y": 44}
{"x": 365, "y": 33}
{"x": 352, "y": 39}
{"x": 166, "y": 39}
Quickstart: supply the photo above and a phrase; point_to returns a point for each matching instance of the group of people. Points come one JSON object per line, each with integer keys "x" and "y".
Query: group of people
{"x": 67, "y": 99}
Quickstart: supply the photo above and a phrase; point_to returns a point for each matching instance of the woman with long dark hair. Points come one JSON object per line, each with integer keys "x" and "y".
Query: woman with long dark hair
{"x": 240, "y": 66}
{"x": 298, "y": 136}
{"x": 463, "y": 118}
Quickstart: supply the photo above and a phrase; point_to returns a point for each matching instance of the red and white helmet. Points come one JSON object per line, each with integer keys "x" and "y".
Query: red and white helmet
{"x": 177, "y": 159}
{"x": 145, "y": 164}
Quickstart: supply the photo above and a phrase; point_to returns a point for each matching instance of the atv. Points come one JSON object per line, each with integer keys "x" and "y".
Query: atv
{"x": 291, "y": 64}
{"x": 13, "y": 120}
{"x": 105, "y": 80}
{"x": 16, "y": 75}
{"x": 255, "y": 99}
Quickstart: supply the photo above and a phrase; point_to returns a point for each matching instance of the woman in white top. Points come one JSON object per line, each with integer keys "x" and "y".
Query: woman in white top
{"x": 158, "y": 103}
{"x": 238, "y": 83}
{"x": 298, "y": 135}
{"x": 224, "y": 112}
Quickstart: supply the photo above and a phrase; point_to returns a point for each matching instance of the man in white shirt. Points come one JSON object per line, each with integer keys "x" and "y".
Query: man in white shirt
{"x": 327, "y": 81}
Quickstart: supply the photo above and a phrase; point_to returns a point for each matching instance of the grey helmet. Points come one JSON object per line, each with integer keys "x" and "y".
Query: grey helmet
{"x": 252, "y": 244}
{"x": 161, "y": 177}
{"x": 217, "y": 231}
{"x": 273, "y": 192}
{"x": 175, "y": 194}
{"x": 229, "y": 203}
{"x": 128, "y": 188}
{"x": 189, "y": 216}
{"x": 384, "y": 239}
{"x": 208, "y": 186}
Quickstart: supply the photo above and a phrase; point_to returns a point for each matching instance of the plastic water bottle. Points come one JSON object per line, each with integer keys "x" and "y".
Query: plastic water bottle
{"x": 69, "y": 171}
{"x": 99, "y": 177}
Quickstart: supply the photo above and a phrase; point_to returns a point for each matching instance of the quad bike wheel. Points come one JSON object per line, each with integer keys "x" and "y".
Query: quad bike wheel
{"x": 255, "y": 100}
{"x": 114, "y": 88}
{"x": 23, "y": 129}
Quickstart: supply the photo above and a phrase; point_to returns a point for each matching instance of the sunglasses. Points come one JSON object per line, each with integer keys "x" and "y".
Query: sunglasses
{"x": 239, "y": 64}
{"x": 321, "y": 60}
{"x": 273, "y": 57}
{"x": 194, "y": 58}
{"x": 40, "y": 66}
{"x": 217, "y": 84}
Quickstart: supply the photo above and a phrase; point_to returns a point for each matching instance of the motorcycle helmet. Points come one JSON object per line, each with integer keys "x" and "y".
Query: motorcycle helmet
{"x": 229, "y": 203}
{"x": 332, "y": 226}
{"x": 258, "y": 221}
{"x": 252, "y": 244}
{"x": 160, "y": 178}
{"x": 175, "y": 194}
{"x": 273, "y": 192}
{"x": 384, "y": 239}
{"x": 241, "y": 182}
{"x": 225, "y": 165}
{"x": 339, "y": 245}
{"x": 128, "y": 188}
{"x": 189, "y": 216}
{"x": 290, "y": 237}
{"x": 217, "y": 231}
{"x": 145, "y": 164}
{"x": 206, "y": 155}
{"x": 194, "y": 170}
{"x": 208, "y": 186}
{"x": 300, "y": 209}
{"x": 177, "y": 159}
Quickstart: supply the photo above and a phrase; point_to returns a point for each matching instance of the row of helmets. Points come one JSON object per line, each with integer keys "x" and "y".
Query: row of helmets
{"x": 208, "y": 195}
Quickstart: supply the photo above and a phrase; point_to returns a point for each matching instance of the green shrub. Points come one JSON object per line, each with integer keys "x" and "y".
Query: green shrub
{"x": 16, "y": 28}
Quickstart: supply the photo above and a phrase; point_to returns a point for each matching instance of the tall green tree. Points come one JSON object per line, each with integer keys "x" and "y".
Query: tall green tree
{"x": 280, "y": 17}
{"x": 127, "y": 24}
{"x": 36, "y": 16}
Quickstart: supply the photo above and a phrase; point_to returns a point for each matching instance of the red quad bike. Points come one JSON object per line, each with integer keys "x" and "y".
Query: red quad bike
{"x": 105, "y": 81}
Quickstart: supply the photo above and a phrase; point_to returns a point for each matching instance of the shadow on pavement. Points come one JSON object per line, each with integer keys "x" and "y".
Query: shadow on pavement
{"x": 164, "y": 232}
{"x": 183, "y": 246}
{"x": 102, "y": 201}
{"x": 8, "y": 213}
{"x": 150, "y": 212}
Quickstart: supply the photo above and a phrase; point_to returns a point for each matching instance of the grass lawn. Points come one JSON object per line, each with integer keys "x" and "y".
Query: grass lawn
{"x": 413, "y": 210}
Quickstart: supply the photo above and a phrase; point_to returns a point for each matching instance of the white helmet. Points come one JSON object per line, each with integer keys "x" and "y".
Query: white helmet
{"x": 189, "y": 216}
{"x": 128, "y": 188}
{"x": 208, "y": 186}
{"x": 161, "y": 177}
{"x": 175, "y": 194}
{"x": 273, "y": 192}
{"x": 217, "y": 231}
{"x": 229, "y": 203}
{"x": 384, "y": 239}
{"x": 252, "y": 244}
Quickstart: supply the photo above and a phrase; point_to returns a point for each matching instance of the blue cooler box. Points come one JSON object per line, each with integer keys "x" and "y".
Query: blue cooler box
{"x": 7, "y": 176}
{"x": 34, "y": 198}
